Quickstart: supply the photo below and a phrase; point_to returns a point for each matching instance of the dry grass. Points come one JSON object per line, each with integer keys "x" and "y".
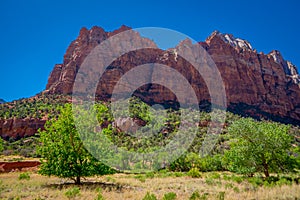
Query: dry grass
{"x": 13, "y": 158}
{"x": 121, "y": 186}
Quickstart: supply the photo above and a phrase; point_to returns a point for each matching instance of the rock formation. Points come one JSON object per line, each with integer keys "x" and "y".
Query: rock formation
{"x": 257, "y": 85}
{"x": 15, "y": 128}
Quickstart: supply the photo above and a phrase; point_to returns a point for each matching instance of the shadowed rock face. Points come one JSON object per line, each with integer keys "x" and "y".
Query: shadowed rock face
{"x": 256, "y": 84}
{"x": 19, "y": 128}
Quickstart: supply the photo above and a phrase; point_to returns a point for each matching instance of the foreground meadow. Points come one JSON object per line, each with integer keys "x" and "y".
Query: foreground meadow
{"x": 213, "y": 185}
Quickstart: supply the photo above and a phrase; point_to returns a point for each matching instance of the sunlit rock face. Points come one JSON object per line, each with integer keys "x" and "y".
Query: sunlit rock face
{"x": 257, "y": 84}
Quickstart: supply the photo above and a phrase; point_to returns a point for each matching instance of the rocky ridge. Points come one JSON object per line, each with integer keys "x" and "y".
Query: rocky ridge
{"x": 257, "y": 84}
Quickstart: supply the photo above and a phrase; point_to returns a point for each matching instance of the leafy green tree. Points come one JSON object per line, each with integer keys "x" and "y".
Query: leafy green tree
{"x": 62, "y": 151}
{"x": 258, "y": 147}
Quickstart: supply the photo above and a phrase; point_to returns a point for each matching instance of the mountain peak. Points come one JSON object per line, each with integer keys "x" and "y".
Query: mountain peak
{"x": 119, "y": 30}
{"x": 233, "y": 41}
{"x": 264, "y": 83}
{"x": 289, "y": 68}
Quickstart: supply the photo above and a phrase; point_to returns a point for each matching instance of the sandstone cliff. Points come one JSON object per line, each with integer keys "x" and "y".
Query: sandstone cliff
{"x": 257, "y": 84}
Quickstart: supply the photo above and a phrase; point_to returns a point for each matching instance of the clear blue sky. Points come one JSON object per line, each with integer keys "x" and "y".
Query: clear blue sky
{"x": 35, "y": 34}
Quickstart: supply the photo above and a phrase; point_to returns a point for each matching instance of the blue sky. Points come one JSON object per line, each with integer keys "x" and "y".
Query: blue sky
{"x": 34, "y": 35}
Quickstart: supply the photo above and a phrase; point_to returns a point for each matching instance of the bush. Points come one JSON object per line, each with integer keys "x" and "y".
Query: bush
{"x": 214, "y": 175}
{"x": 180, "y": 164}
{"x": 99, "y": 196}
{"x": 237, "y": 179}
{"x": 221, "y": 196}
{"x": 179, "y": 174}
{"x": 141, "y": 178}
{"x": 211, "y": 163}
{"x": 149, "y": 175}
{"x": 255, "y": 181}
{"x": 210, "y": 181}
{"x": 149, "y": 196}
{"x": 194, "y": 173}
{"x": 24, "y": 176}
{"x": 170, "y": 196}
{"x": 73, "y": 192}
{"x": 196, "y": 196}
{"x": 283, "y": 181}
{"x": 193, "y": 160}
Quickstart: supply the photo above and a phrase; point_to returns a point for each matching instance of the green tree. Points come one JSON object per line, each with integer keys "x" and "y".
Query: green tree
{"x": 62, "y": 151}
{"x": 258, "y": 147}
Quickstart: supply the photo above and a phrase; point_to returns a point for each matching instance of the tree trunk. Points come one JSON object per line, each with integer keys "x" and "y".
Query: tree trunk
{"x": 77, "y": 181}
{"x": 266, "y": 168}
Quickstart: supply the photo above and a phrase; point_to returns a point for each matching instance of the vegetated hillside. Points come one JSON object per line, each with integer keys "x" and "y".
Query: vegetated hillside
{"x": 160, "y": 126}
{"x": 22, "y": 118}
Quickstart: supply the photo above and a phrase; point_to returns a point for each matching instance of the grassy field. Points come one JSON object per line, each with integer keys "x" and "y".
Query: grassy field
{"x": 30, "y": 185}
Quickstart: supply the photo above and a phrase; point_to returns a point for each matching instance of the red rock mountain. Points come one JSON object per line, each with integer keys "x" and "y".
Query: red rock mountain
{"x": 257, "y": 84}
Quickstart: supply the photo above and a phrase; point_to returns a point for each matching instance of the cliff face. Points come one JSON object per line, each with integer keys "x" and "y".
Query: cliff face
{"x": 19, "y": 128}
{"x": 256, "y": 84}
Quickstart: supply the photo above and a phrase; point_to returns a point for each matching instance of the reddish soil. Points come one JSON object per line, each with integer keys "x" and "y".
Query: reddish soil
{"x": 18, "y": 166}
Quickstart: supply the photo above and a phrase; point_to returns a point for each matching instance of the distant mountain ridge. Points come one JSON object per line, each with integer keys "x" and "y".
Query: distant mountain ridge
{"x": 257, "y": 84}
{"x": 2, "y": 101}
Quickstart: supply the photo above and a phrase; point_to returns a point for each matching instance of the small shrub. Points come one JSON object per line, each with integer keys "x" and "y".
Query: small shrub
{"x": 226, "y": 177}
{"x": 272, "y": 179}
{"x": 255, "y": 181}
{"x": 269, "y": 184}
{"x": 99, "y": 195}
{"x": 170, "y": 196}
{"x": 178, "y": 174}
{"x": 228, "y": 185}
{"x": 237, "y": 179}
{"x": 283, "y": 181}
{"x": 210, "y": 181}
{"x": 149, "y": 196}
{"x": 214, "y": 175}
{"x": 236, "y": 189}
{"x": 141, "y": 178}
{"x": 211, "y": 163}
{"x": 195, "y": 195}
{"x": 194, "y": 173}
{"x": 110, "y": 179}
{"x": 164, "y": 173}
{"x": 221, "y": 196}
{"x": 24, "y": 176}
{"x": 72, "y": 192}
{"x": 149, "y": 175}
